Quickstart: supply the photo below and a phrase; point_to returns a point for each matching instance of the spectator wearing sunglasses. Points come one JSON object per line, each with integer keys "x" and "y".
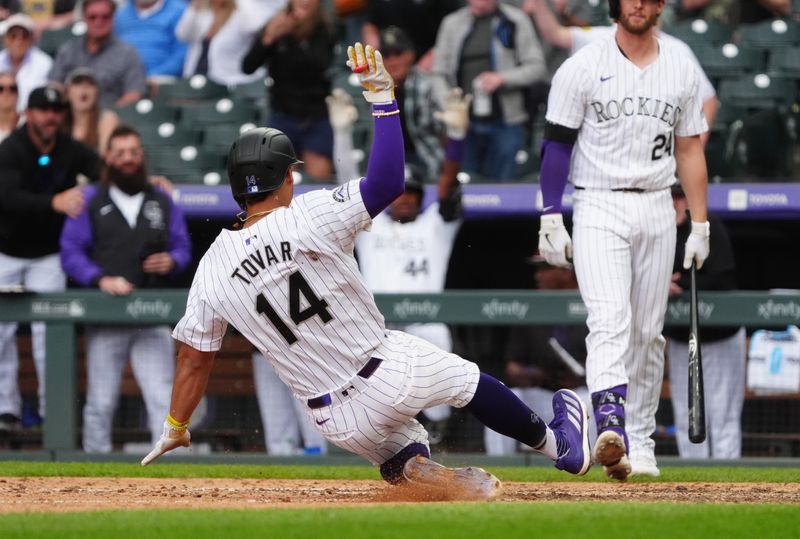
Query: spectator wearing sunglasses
{"x": 22, "y": 58}
{"x": 117, "y": 66}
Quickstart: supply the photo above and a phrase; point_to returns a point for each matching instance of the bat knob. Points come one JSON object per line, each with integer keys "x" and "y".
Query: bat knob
{"x": 360, "y": 69}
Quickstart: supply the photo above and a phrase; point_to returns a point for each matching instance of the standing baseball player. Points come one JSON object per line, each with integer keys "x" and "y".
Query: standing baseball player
{"x": 623, "y": 118}
{"x": 289, "y": 283}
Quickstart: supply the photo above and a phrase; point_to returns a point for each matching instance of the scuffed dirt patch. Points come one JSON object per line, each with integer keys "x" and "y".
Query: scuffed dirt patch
{"x": 60, "y": 494}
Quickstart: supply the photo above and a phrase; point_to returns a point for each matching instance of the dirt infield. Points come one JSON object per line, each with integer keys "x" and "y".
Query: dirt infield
{"x": 60, "y": 494}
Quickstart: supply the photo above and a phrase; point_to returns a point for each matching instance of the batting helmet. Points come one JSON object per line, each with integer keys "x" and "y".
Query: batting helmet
{"x": 413, "y": 181}
{"x": 613, "y": 9}
{"x": 258, "y": 161}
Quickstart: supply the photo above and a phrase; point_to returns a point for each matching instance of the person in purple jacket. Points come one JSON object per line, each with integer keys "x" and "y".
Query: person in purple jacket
{"x": 129, "y": 236}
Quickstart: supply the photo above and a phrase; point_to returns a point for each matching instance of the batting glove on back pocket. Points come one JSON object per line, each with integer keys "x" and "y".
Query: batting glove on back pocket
{"x": 367, "y": 64}
{"x": 555, "y": 245}
{"x": 697, "y": 245}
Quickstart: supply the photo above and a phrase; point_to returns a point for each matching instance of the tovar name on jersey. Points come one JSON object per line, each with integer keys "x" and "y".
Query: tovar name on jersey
{"x": 259, "y": 260}
{"x": 629, "y": 106}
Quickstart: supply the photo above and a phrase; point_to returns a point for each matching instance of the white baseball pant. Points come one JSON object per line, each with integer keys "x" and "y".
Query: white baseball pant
{"x": 724, "y": 364}
{"x": 374, "y": 417}
{"x": 37, "y": 275}
{"x": 624, "y": 249}
{"x": 152, "y": 354}
{"x": 286, "y": 424}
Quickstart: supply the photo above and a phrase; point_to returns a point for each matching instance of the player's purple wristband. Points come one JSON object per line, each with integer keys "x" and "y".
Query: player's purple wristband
{"x": 554, "y": 174}
{"x": 385, "y": 180}
{"x": 454, "y": 151}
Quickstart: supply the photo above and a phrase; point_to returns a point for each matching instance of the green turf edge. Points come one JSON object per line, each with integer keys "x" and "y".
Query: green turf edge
{"x": 305, "y": 471}
{"x": 443, "y": 521}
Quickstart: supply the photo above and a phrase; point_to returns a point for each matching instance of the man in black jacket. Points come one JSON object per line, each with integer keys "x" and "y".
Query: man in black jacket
{"x": 39, "y": 169}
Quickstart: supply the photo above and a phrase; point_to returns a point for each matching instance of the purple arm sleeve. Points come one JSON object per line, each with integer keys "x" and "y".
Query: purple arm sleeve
{"x": 76, "y": 245}
{"x": 454, "y": 150}
{"x": 385, "y": 180}
{"x": 554, "y": 173}
{"x": 180, "y": 246}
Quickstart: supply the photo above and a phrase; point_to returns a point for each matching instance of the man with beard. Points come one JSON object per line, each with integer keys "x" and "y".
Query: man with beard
{"x": 39, "y": 166}
{"x": 629, "y": 104}
{"x": 130, "y": 236}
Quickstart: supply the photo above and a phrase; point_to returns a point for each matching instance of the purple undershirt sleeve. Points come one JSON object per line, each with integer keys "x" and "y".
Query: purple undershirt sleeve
{"x": 454, "y": 150}
{"x": 554, "y": 174}
{"x": 76, "y": 245}
{"x": 385, "y": 178}
{"x": 180, "y": 245}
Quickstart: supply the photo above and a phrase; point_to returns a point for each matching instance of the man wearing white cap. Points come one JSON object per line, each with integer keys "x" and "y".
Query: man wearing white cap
{"x": 22, "y": 58}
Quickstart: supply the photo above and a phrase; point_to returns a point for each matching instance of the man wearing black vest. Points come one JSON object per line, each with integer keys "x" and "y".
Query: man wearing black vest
{"x": 130, "y": 236}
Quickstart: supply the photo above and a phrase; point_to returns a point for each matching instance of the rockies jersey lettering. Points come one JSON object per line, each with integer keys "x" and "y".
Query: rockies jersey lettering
{"x": 290, "y": 285}
{"x": 259, "y": 260}
{"x": 627, "y": 116}
{"x": 641, "y": 106}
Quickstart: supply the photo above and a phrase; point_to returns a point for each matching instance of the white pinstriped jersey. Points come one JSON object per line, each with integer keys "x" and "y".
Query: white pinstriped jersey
{"x": 407, "y": 257}
{"x": 290, "y": 284}
{"x": 627, "y": 116}
{"x": 583, "y": 35}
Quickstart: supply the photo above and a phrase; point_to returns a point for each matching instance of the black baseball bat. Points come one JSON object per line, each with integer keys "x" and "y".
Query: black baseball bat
{"x": 697, "y": 405}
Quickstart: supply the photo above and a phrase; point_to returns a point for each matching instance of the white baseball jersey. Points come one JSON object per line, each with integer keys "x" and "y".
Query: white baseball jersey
{"x": 627, "y": 116}
{"x": 583, "y": 35}
{"x": 290, "y": 285}
{"x": 407, "y": 257}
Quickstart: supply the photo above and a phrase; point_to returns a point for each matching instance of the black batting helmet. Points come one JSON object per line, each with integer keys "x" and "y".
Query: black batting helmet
{"x": 613, "y": 9}
{"x": 414, "y": 181}
{"x": 258, "y": 161}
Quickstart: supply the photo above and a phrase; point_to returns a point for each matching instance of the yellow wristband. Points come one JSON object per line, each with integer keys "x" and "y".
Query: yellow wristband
{"x": 177, "y": 424}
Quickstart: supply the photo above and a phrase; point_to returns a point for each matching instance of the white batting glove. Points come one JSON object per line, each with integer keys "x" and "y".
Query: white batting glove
{"x": 455, "y": 113}
{"x": 555, "y": 245}
{"x": 171, "y": 438}
{"x": 697, "y": 245}
{"x": 341, "y": 112}
{"x": 367, "y": 63}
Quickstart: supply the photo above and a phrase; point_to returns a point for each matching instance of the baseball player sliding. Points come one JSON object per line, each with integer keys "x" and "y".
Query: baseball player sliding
{"x": 289, "y": 282}
{"x": 623, "y": 117}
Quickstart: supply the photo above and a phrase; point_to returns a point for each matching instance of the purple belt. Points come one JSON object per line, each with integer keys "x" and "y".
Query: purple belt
{"x": 365, "y": 372}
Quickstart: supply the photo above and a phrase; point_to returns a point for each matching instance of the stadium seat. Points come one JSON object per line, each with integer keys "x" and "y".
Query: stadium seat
{"x": 51, "y": 40}
{"x": 770, "y": 34}
{"x": 195, "y": 89}
{"x": 785, "y": 62}
{"x": 184, "y": 164}
{"x": 223, "y": 111}
{"x": 218, "y": 138}
{"x": 763, "y": 146}
{"x": 700, "y": 32}
{"x": 146, "y": 111}
{"x": 759, "y": 91}
{"x": 158, "y": 135}
{"x": 729, "y": 60}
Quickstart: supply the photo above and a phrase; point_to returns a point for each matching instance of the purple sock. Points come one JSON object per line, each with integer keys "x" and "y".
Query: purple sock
{"x": 609, "y": 410}
{"x": 498, "y": 408}
{"x": 392, "y": 469}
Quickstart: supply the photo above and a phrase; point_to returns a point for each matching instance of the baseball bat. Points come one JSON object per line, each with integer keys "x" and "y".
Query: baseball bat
{"x": 697, "y": 406}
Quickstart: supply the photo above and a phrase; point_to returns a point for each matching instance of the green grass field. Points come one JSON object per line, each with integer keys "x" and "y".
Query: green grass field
{"x": 551, "y": 519}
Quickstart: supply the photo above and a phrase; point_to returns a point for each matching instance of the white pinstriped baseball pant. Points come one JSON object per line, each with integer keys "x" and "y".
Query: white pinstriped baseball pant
{"x": 152, "y": 354}
{"x": 286, "y": 424}
{"x": 376, "y": 418}
{"x": 624, "y": 250}
{"x": 724, "y": 363}
{"x": 37, "y": 275}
